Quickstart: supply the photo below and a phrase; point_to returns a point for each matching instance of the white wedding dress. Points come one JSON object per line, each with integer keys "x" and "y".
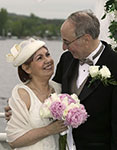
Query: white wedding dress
{"x": 23, "y": 120}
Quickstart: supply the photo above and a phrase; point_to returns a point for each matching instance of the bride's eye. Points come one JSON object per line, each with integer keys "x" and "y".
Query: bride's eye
{"x": 47, "y": 54}
{"x": 39, "y": 57}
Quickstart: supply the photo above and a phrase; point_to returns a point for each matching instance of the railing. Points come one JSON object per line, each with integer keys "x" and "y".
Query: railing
{"x": 3, "y": 144}
{"x": 2, "y": 135}
{"x": 2, "y": 115}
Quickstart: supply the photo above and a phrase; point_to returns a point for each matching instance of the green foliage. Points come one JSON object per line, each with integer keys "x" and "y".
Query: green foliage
{"x": 21, "y": 26}
{"x": 105, "y": 81}
{"x": 111, "y": 7}
{"x": 113, "y": 30}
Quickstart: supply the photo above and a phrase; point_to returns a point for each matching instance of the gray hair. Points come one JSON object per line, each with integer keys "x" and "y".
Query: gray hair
{"x": 85, "y": 23}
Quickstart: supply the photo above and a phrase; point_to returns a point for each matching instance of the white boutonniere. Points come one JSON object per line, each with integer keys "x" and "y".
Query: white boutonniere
{"x": 102, "y": 74}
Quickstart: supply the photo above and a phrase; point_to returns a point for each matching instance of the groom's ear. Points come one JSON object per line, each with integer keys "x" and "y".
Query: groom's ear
{"x": 87, "y": 40}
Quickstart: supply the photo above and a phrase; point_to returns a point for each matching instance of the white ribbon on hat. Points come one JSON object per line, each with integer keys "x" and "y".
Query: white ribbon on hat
{"x": 14, "y": 53}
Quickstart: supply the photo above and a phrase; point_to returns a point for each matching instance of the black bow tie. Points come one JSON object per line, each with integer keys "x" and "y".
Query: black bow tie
{"x": 88, "y": 61}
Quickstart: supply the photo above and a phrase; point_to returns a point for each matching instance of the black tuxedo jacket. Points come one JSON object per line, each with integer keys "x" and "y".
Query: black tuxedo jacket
{"x": 99, "y": 132}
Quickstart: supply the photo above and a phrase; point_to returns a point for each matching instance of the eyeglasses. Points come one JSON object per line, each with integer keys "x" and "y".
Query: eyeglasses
{"x": 68, "y": 43}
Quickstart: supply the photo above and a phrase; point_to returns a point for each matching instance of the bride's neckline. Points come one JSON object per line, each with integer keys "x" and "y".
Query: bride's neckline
{"x": 39, "y": 94}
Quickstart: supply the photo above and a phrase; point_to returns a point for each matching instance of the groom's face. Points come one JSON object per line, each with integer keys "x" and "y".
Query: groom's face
{"x": 75, "y": 44}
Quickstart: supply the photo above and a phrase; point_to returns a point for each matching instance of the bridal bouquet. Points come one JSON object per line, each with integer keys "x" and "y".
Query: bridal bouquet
{"x": 64, "y": 107}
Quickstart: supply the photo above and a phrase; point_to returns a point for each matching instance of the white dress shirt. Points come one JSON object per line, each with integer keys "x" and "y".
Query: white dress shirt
{"x": 83, "y": 70}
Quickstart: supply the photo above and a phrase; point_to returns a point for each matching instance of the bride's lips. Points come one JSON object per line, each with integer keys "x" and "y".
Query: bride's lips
{"x": 48, "y": 67}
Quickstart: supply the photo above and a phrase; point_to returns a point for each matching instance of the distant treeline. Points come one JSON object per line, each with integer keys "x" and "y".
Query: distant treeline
{"x": 22, "y": 26}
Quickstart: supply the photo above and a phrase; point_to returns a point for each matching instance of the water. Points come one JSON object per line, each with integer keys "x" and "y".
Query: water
{"x": 8, "y": 73}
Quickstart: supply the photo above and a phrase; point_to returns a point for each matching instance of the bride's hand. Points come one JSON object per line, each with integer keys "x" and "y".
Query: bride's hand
{"x": 56, "y": 127}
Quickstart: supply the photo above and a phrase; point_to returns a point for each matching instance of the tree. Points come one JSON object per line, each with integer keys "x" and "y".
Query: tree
{"x": 3, "y": 20}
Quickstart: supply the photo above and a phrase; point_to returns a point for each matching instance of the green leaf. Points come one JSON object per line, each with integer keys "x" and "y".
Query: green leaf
{"x": 103, "y": 16}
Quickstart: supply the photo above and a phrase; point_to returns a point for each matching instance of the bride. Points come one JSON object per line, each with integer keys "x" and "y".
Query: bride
{"x": 26, "y": 130}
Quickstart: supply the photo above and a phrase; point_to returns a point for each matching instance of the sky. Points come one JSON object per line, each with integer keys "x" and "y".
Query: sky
{"x": 51, "y": 9}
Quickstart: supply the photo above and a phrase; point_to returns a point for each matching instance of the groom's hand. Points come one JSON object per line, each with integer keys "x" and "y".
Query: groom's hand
{"x": 7, "y": 113}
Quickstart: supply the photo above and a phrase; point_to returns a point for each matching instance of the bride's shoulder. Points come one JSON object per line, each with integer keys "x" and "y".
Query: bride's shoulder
{"x": 21, "y": 93}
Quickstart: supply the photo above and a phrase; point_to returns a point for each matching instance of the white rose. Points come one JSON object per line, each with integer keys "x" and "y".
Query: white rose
{"x": 55, "y": 97}
{"x": 105, "y": 73}
{"x": 94, "y": 71}
{"x": 65, "y": 102}
{"x": 48, "y": 102}
{"x": 45, "y": 113}
{"x": 75, "y": 97}
{"x": 111, "y": 15}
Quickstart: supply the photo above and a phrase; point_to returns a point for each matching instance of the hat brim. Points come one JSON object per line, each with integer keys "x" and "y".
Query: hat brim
{"x": 27, "y": 52}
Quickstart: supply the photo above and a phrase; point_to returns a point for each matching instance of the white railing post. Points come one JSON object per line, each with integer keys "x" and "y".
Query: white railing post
{"x": 2, "y": 136}
{"x": 2, "y": 115}
{"x": 3, "y": 144}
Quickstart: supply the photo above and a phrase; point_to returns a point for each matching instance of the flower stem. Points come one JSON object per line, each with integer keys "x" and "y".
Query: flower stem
{"x": 62, "y": 142}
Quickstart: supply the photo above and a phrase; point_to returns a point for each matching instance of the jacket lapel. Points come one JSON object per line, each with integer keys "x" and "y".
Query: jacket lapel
{"x": 86, "y": 91}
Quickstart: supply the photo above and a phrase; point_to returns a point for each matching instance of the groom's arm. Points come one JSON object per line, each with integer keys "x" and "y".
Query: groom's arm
{"x": 62, "y": 66}
{"x": 58, "y": 73}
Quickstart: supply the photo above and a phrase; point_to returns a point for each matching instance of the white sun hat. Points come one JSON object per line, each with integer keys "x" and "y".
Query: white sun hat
{"x": 20, "y": 53}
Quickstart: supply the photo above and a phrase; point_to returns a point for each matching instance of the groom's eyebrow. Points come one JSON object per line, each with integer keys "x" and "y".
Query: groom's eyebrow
{"x": 66, "y": 41}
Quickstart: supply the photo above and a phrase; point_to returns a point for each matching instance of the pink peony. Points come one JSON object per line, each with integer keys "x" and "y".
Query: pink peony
{"x": 76, "y": 116}
{"x": 57, "y": 109}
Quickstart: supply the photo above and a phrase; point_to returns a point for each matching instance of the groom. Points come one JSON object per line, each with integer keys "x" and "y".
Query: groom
{"x": 80, "y": 33}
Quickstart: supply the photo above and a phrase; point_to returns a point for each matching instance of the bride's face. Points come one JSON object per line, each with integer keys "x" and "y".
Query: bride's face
{"x": 42, "y": 65}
